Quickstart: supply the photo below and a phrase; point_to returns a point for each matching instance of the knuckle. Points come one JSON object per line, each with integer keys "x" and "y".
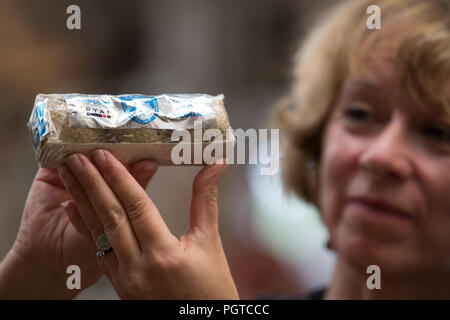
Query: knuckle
{"x": 209, "y": 191}
{"x": 116, "y": 172}
{"x": 91, "y": 181}
{"x": 134, "y": 284}
{"x": 114, "y": 176}
{"x": 168, "y": 261}
{"x": 211, "y": 196}
{"x": 112, "y": 218}
{"x": 136, "y": 208}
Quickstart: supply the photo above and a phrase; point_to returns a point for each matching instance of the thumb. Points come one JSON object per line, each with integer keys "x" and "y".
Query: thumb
{"x": 143, "y": 172}
{"x": 204, "y": 210}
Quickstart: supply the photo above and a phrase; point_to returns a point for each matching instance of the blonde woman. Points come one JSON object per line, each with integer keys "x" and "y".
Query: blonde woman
{"x": 368, "y": 142}
{"x": 366, "y": 133}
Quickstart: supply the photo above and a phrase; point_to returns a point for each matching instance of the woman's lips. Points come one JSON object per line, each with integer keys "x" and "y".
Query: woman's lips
{"x": 380, "y": 206}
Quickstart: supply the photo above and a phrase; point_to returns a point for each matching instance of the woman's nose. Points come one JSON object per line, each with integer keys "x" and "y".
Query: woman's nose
{"x": 388, "y": 154}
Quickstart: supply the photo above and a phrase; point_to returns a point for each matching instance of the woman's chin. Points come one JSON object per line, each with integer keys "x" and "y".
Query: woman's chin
{"x": 361, "y": 251}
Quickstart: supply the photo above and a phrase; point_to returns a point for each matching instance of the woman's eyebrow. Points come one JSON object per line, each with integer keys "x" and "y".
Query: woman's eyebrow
{"x": 360, "y": 85}
{"x": 440, "y": 116}
{"x": 364, "y": 83}
{"x": 434, "y": 110}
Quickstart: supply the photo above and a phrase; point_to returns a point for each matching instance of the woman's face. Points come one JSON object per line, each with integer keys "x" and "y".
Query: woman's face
{"x": 385, "y": 177}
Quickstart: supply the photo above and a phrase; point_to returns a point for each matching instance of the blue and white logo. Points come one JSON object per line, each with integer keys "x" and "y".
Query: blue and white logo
{"x": 140, "y": 109}
{"x": 37, "y": 124}
{"x": 40, "y": 118}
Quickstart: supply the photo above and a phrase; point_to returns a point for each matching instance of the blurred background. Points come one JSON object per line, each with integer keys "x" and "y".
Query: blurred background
{"x": 275, "y": 243}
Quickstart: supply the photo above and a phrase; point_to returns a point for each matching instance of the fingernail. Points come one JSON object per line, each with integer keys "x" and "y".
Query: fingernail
{"x": 65, "y": 204}
{"x": 62, "y": 170}
{"x": 65, "y": 175}
{"x": 69, "y": 210}
{"x": 74, "y": 163}
{"x": 99, "y": 158}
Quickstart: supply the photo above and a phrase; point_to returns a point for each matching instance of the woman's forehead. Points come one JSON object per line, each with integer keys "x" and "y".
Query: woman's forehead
{"x": 383, "y": 85}
{"x": 377, "y": 49}
{"x": 417, "y": 57}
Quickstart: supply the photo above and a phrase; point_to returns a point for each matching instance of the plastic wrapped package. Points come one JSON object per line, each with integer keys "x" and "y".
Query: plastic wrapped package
{"x": 133, "y": 127}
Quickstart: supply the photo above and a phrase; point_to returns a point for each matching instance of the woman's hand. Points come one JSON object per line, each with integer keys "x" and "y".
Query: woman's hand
{"x": 47, "y": 243}
{"x": 147, "y": 261}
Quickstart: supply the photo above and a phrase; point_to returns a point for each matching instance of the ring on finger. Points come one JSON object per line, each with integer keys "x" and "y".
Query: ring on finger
{"x": 103, "y": 245}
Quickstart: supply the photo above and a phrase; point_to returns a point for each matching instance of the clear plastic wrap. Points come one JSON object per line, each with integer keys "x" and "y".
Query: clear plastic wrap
{"x": 132, "y": 127}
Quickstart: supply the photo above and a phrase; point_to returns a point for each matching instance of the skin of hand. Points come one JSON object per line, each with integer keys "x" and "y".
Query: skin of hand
{"x": 47, "y": 243}
{"x": 148, "y": 261}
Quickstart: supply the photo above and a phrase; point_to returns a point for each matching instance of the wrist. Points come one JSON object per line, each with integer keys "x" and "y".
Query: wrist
{"x": 21, "y": 279}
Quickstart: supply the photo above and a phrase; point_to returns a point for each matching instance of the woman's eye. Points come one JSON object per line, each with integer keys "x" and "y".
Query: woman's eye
{"x": 357, "y": 114}
{"x": 437, "y": 133}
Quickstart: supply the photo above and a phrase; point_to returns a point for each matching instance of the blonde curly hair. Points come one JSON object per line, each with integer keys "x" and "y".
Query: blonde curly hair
{"x": 340, "y": 44}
